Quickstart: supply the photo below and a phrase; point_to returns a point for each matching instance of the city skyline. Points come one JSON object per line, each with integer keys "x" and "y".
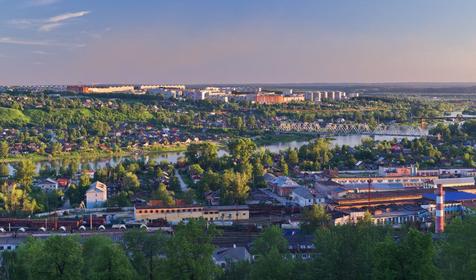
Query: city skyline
{"x": 87, "y": 42}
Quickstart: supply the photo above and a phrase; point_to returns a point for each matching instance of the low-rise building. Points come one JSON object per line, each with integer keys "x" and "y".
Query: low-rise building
{"x": 453, "y": 182}
{"x": 225, "y": 256}
{"x": 454, "y": 202}
{"x": 302, "y": 196}
{"x": 283, "y": 185}
{"x": 347, "y": 217}
{"x": 175, "y": 214}
{"x": 47, "y": 185}
{"x": 399, "y": 214}
{"x": 397, "y": 171}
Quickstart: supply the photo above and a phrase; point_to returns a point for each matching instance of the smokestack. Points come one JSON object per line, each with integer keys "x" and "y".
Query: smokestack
{"x": 440, "y": 209}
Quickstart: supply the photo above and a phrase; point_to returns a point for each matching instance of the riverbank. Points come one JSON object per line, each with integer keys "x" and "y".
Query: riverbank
{"x": 97, "y": 154}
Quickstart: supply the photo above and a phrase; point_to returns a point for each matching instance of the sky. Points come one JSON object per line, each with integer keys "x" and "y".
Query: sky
{"x": 236, "y": 41}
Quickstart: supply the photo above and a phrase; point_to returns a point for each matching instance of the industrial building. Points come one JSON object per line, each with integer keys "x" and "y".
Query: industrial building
{"x": 178, "y": 213}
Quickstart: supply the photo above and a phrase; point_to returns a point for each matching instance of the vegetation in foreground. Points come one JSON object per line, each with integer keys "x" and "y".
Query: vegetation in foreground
{"x": 362, "y": 251}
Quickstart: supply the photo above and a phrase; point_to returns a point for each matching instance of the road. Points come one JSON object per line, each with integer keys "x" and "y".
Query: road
{"x": 183, "y": 186}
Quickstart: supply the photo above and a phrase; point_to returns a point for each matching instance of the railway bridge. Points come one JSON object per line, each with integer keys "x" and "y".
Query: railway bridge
{"x": 351, "y": 129}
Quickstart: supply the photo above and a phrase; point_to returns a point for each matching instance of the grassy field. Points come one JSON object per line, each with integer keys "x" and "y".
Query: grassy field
{"x": 12, "y": 117}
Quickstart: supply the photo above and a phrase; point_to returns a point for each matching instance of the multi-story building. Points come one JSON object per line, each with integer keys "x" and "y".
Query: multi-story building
{"x": 269, "y": 98}
{"x": 110, "y": 89}
{"x": 293, "y": 98}
{"x": 96, "y": 195}
{"x": 164, "y": 86}
{"x": 101, "y": 89}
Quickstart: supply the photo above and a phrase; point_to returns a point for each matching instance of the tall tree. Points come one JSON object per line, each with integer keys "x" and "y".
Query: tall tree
{"x": 315, "y": 217}
{"x": 204, "y": 154}
{"x": 60, "y": 258}
{"x": 235, "y": 188}
{"x": 4, "y": 148}
{"x": 241, "y": 149}
{"x": 346, "y": 250}
{"x": 25, "y": 172}
{"x": 105, "y": 260}
{"x": 271, "y": 237}
{"x": 145, "y": 252}
{"x": 189, "y": 252}
{"x": 293, "y": 157}
{"x": 273, "y": 260}
{"x": 457, "y": 257}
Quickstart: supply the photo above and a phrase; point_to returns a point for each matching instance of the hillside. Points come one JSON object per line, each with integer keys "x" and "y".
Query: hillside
{"x": 12, "y": 117}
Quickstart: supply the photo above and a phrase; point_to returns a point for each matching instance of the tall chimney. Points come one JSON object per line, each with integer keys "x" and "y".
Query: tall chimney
{"x": 440, "y": 209}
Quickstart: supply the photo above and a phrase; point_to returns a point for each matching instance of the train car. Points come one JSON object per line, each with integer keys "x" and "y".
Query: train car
{"x": 50, "y": 223}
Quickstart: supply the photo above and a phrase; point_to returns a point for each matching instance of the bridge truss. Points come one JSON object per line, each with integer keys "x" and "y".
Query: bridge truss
{"x": 352, "y": 129}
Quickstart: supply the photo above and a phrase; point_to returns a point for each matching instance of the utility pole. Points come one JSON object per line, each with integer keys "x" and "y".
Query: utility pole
{"x": 369, "y": 181}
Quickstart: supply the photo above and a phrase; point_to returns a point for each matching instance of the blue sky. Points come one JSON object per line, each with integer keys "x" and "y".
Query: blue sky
{"x": 236, "y": 41}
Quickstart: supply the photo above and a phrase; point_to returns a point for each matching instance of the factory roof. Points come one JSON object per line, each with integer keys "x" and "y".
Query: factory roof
{"x": 453, "y": 196}
{"x": 464, "y": 180}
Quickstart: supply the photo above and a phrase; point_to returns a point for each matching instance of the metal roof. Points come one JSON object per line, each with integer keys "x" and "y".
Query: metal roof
{"x": 452, "y": 196}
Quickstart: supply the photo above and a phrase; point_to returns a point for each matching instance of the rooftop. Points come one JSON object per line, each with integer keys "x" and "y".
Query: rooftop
{"x": 230, "y": 254}
{"x": 97, "y": 186}
{"x": 451, "y": 196}
{"x": 284, "y": 181}
{"x": 303, "y": 192}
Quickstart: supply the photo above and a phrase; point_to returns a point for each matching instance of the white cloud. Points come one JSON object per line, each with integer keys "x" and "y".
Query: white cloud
{"x": 14, "y": 41}
{"x": 67, "y": 16}
{"x": 49, "y": 26}
{"x": 25, "y": 42}
{"x": 56, "y": 21}
{"x": 46, "y": 25}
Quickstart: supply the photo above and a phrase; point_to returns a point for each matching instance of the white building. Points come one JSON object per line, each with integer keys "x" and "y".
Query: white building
{"x": 302, "y": 196}
{"x": 47, "y": 185}
{"x": 110, "y": 89}
{"x": 454, "y": 182}
{"x": 96, "y": 195}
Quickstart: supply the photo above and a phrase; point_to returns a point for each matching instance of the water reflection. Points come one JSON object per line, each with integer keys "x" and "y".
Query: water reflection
{"x": 172, "y": 157}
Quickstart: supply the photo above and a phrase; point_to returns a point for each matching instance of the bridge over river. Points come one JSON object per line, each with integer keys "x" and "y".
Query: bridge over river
{"x": 352, "y": 129}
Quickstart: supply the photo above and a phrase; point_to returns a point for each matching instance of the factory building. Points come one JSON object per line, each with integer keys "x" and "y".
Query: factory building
{"x": 178, "y": 213}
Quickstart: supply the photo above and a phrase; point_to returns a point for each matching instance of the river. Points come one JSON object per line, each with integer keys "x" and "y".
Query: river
{"x": 350, "y": 140}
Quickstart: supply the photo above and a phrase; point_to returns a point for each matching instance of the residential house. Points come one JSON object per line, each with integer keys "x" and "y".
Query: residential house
{"x": 225, "y": 256}
{"x": 302, "y": 196}
{"x": 300, "y": 245}
{"x": 284, "y": 185}
{"x": 47, "y": 185}
{"x": 63, "y": 183}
